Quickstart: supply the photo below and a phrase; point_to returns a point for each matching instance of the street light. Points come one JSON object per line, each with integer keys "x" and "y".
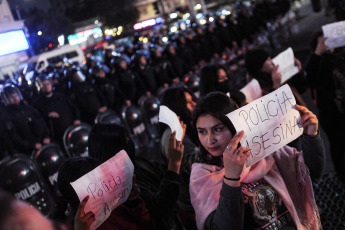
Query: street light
{"x": 197, "y": 7}
{"x": 39, "y": 33}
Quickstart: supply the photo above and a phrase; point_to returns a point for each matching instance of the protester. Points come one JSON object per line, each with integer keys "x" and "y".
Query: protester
{"x": 261, "y": 67}
{"x": 326, "y": 75}
{"x": 215, "y": 78}
{"x": 182, "y": 101}
{"x": 143, "y": 209}
{"x": 276, "y": 191}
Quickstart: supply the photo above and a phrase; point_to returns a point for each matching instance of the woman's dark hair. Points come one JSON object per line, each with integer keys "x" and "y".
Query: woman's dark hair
{"x": 209, "y": 79}
{"x": 107, "y": 139}
{"x": 71, "y": 170}
{"x": 174, "y": 98}
{"x": 216, "y": 104}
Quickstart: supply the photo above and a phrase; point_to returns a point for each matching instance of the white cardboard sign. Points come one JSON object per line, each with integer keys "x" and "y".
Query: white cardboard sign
{"x": 252, "y": 90}
{"x": 269, "y": 123}
{"x": 108, "y": 186}
{"x": 335, "y": 33}
{"x": 286, "y": 62}
{"x": 170, "y": 118}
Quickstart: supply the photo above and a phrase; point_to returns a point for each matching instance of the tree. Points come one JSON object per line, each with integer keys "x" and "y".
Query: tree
{"x": 49, "y": 23}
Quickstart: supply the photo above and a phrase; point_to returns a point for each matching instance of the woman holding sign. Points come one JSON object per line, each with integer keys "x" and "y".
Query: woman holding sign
{"x": 275, "y": 192}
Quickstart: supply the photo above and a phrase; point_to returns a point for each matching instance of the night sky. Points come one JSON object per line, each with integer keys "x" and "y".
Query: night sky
{"x": 41, "y": 4}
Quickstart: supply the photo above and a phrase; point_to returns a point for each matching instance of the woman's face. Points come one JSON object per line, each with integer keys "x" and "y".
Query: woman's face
{"x": 222, "y": 75}
{"x": 190, "y": 103}
{"x": 213, "y": 134}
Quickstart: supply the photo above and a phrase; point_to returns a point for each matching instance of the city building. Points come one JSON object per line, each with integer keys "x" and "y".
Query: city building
{"x": 13, "y": 42}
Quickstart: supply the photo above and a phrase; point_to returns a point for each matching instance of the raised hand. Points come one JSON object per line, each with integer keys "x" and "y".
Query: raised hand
{"x": 234, "y": 159}
{"x": 321, "y": 46}
{"x": 308, "y": 120}
{"x": 83, "y": 221}
{"x": 175, "y": 151}
{"x": 298, "y": 64}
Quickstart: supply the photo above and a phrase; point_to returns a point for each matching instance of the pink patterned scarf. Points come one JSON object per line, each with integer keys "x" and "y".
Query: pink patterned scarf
{"x": 284, "y": 170}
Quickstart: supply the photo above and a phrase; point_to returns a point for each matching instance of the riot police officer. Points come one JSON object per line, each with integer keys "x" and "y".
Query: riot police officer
{"x": 89, "y": 100}
{"x": 57, "y": 109}
{"x": 25, "y": 127}
{"x": 112, "y": 94}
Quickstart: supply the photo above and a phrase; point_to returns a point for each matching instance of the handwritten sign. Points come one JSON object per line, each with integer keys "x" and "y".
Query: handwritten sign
{"x": 335, "y": 33}
{"x": 252, "y": 90}
{"x": 108, "y": 186}
{"x": 269, "y": 123}
{"x": 170, "y": 118}
{"x": 286, "y": 63}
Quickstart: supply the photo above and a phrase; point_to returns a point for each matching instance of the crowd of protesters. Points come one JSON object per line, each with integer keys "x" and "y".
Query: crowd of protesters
{"x": 221, "y": 56}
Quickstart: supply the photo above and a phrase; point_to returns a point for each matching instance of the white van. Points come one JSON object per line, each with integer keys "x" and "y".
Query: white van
{"x": 56, "y": 56}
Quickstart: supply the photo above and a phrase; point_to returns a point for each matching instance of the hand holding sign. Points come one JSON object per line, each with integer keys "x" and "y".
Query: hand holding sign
{"x": 309, "y": 120}
{"x": 252, "y": 90}
{"x": 276, "y": 77}
{"x": 269, "y": 123}
{"x": 321, "y": 46}
{"x": 335, "y": 32}
{"x": 107, "y": 186}
{"x": 234, "y": 159}
{"x": 286, "y": 62}
{"x": 82, "y": 220}
{"x": 175, "y": 151}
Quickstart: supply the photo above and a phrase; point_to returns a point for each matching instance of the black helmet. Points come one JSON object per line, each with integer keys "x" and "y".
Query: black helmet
{"x": 48, "y": 160}
{"x": 75, "y": 139}
{"x": 10, "y": 94}
{"x": 136, "y": 126}
{"x": 150, "y": 108}
{"x": 75, "y": 74}
{"x": 109, "y": 116}
{"x": 40, "y": 79}
{"x": 20, "y": 177}
{"x": 192, "y": 82}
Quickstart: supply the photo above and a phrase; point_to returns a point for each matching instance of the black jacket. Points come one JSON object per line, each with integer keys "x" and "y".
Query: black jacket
{"x": 25, "y": 127}
{"x": 68, "y": 112}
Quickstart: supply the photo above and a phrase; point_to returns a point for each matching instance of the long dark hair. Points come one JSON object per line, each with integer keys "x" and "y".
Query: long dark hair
{"x": 209, "y": 79}
{"x": 174, "y": 98}
{"x": 107, "y": 139}
{"x": 71, "y": 170}
{"x": 216, "y": 104}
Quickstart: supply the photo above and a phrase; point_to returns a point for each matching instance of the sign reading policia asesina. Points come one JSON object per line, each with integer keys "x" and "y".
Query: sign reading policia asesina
{"x": 107, "y": 186}
{"x": 269, "y": 123}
